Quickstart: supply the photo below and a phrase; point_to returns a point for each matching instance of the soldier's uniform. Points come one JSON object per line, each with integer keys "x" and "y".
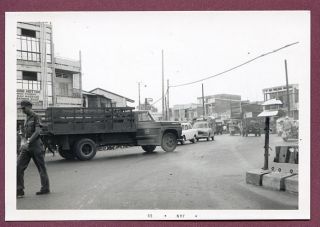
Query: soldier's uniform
{"x": 33, "y": 151}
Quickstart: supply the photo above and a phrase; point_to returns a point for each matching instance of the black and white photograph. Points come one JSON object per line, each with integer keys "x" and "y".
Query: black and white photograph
{"x": 167, "y": 115}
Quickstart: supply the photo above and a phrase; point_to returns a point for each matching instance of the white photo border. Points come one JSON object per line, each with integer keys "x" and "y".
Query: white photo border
{"x": 12, "y": 214}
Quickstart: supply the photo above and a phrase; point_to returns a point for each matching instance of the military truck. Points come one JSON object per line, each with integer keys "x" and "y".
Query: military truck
{"x": 78, "y": 132}
{"x": 252, "y": 126}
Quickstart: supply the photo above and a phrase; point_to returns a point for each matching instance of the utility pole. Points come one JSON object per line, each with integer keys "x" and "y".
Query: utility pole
{"x": 139, "y": 95}
{"x": 204, "y": 111}
{"x": 287, "y": 85}
{"x": 145, "y": 104}
{"x": 165, "y": 108}
{"x": 162, "y": 86}
{"x": 168, "y": 106}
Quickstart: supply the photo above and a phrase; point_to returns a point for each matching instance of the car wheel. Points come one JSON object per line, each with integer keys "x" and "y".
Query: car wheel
{"x": 208, "y": 138}
{"x": 194, "y": 139}
{"x": 169, "y": 142}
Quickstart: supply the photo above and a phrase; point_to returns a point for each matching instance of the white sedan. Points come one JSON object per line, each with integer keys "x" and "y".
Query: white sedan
{"x": 188, "y": 133}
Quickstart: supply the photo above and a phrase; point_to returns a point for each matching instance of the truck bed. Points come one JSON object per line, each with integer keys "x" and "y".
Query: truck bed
{"x": 65, "y": 121}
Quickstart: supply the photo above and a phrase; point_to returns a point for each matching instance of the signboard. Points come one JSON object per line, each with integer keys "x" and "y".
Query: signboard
{"x": 248, "y": 115}
{"x": 69, "y": 100}
{"x": 32, "y": 96}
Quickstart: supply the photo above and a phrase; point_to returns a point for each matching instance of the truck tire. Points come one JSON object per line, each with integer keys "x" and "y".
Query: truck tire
{"x": 169, "y": 142}
{"x": 208, "y": 138}
{"x": 66, "y": 154}
{"x": 85, "y": 149}
{"x": 149, "y": 148}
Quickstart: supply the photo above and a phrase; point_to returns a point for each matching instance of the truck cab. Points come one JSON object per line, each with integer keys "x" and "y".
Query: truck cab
{"x": 151, "y": 132}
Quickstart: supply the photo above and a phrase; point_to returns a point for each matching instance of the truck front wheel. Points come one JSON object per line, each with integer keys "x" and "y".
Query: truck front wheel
{"x": 169, "y": 142}
{"x": 149, "y": 148}
{"x": 85, "y": 149}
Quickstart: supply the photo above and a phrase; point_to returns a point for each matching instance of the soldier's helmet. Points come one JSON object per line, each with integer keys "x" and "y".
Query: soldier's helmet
{"x": 25, "y": 103}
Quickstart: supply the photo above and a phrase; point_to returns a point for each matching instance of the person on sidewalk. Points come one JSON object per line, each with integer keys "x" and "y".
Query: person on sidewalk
{"x": 32, "y": 149}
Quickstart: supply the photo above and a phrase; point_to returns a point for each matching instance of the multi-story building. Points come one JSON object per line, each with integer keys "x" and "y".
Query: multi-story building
{"x": 280, "y": 93}
{"x": 224, "y": 106}
{"x": 185, "y": 112}
{"x": 42, "y": 78}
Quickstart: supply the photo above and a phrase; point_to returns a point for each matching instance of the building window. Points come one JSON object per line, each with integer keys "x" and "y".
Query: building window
{"x": 48, "y": 51}
{"x": 296, "y": 95}
{"x": 76, "y": 81}
{"x": 49, "y": 89}
{"x": 28, "y": 32}
{"x": 28, "y": 80}
{"x": 63, "y": 89}
{"x": 28, "y": 48}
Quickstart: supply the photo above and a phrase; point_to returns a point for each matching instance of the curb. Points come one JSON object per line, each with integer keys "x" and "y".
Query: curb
{"x": 273, "y": 180}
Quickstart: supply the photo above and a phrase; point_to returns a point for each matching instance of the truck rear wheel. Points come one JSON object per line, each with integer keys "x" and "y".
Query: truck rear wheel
{"x": 66, "y": 154}
{"x": 169, "y": 142}
{"x": 149, "y": 148}
{"x": 85, "y": 149}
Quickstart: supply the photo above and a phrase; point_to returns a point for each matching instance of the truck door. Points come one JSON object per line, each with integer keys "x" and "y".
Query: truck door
{"x": 148, "y": 130}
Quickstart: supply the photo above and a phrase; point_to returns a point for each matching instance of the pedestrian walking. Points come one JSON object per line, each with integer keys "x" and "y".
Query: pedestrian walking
{"x": 31, "y": 149}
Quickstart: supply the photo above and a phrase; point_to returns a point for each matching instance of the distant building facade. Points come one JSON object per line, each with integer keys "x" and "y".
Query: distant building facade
{"x": 251, "y": 109}
{"x": 116, "y": 100}
{"x": 224, "y": 106}
{"x": 41, "y": 78}
{"x": 280, "y": 93}
{"x": 91, "y": 100}
{"x": 185, "y": 112}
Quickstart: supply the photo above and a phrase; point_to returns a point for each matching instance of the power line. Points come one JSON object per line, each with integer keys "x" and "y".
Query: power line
{"x": 237, "y": 66}
{"x": 160, "y": 98}
{"x": 228, "y": 70}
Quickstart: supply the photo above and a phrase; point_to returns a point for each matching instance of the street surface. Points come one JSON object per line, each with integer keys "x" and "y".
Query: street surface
{"x": 206, "y": 175}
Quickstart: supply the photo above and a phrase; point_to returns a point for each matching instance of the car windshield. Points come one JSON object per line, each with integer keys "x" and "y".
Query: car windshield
{"x": 200, "y": 125}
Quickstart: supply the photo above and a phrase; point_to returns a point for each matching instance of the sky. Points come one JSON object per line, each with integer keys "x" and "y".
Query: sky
{"x": 120, "y": 49}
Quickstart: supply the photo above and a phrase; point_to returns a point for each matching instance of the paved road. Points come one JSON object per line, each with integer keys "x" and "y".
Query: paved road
{"x": 205, "y": 175}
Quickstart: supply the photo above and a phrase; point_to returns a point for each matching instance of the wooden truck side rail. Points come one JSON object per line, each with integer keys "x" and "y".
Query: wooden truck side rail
{"x": 69, "y": 120}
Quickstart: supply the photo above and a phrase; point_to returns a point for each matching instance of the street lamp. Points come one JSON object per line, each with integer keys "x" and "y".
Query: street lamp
{"x": 271, "y": 108}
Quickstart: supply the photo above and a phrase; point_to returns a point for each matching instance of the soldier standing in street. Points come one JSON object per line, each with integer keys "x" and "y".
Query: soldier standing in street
{"x": 31, "y": 149}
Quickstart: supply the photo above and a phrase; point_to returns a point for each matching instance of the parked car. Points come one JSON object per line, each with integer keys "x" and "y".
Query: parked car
{"x": 204, "y": 130}
{"x": 188, "y": 133}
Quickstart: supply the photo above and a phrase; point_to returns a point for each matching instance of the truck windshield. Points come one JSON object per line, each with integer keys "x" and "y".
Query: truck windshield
{"x": 145, "y": 116}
